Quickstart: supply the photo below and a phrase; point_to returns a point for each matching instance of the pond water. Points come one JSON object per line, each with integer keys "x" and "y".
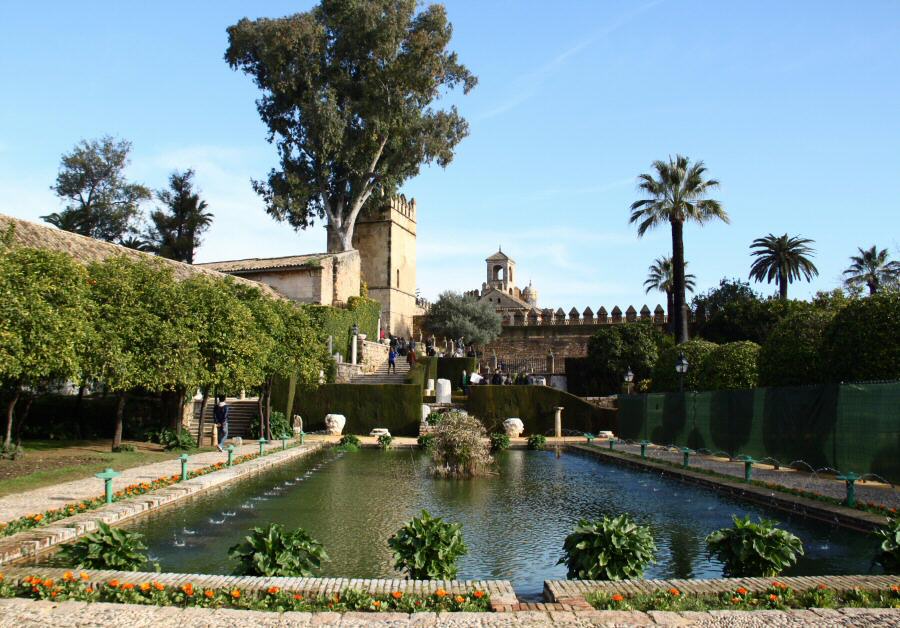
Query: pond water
{"x": 514, "y": 522}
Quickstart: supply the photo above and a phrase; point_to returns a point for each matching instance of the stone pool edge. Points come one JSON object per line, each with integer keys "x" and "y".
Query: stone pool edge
{"x": 821, "y": 511}
{"x": 29, "y": 544}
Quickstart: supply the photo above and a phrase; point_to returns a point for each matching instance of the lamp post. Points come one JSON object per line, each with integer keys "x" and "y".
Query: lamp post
{"x": 681, "y": 367}
{"x": 629, "y": 377}
{"x": 184, "y": 471}
{"x": 107, "y": 477}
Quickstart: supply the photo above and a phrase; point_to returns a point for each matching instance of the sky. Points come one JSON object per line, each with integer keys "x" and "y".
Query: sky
{"x": 793, "y": 106}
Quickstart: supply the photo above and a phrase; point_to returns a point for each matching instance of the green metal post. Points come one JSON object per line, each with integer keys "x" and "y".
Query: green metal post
{"x": 283, "y": 442}
{"x": 612, "y": 443}
{"x": 686, "y": 457}
{"x": 107, "y": 477}
{"x": 230, "y": 455}
{"x": 302, "y": 434}
{"x": 184, "y": 471}
{"x": 644, "y": 444}
{"x": 748, "y": 467}
{"x": 262, "y": 444}
{"x": 850, "y": 479}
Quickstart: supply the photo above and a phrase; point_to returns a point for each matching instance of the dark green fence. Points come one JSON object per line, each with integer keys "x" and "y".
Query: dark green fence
{"x": 849, "y": 427}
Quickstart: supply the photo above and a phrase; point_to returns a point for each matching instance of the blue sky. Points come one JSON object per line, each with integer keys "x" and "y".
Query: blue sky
{"x": 792, "y": 105}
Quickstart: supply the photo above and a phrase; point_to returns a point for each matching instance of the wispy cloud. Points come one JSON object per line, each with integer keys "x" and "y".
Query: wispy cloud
{"x": 527, "y": 85}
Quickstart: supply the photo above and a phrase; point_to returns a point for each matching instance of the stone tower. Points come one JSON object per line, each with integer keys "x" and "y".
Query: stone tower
{"x": 385, "y": 237}
{"x": 500, "y": 269}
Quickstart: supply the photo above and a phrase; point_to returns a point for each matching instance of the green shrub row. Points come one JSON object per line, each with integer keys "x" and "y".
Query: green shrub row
{"x": 397, "y": 407}
{"x": 452, "y": 368}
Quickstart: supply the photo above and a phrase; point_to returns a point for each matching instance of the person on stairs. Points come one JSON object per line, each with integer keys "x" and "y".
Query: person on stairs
{"x": 392, "y": 360}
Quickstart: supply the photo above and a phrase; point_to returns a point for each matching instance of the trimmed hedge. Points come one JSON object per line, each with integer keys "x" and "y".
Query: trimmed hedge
{"x": 398, "y": 407}
{"x": 416, "y": 375}
{"x": 665, "y": 379}
{"x": 430, "y": 363}
{"x": 452, "y": 368}
{"x": 863, "y": 340}
{"x": 57, "y": 417}
{"x": 536, "y": 406}
{"x": 792, "y": 356}
{"x": 338, "y": 322}
{"x": 731, "y": 366}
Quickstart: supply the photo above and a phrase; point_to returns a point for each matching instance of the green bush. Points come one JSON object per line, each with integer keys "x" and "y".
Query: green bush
{"x": 124, "y": 447}
{"x": 106, "y": 548}
{"x": 271, "y": 551}
{"x": 349, "y": 442}
{"x": 616, "y": 348}
{"x": 277, "y": 421}
{"x": 425, "y": 441}
{"x": 792, "y": 355}
{"x": 613, "y": 548}
{"x": 731, "y": 366}
{"x": 889, "y": 556}
{"x": 754, "y": 549}
{"x": 665, "y": 379}
{"x": 434, "y": 418}
{"x": 427, "y": 548}
{"x": 459, "y": 448}
{"x": 385, "y": 440}
{"x": 397, "y": 407}
{"x": 172, "y": 440}
{"x": 537, "y": 442}
{"x": 499, "y": 441}
{"x": 863, "y": 342}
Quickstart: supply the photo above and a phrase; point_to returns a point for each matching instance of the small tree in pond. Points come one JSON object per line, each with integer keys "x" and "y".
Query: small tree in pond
{"x": 460, "y": 447}
{"x": 456, "y": 316}
{"x": 427, "y": 548}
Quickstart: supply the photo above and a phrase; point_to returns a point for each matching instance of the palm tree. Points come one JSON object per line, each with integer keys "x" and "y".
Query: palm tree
{"x": 661, "y": 277}
{"x": 872, "y": 268}
{"x": 783, "y": 259}
{"x": 676, "y": 196}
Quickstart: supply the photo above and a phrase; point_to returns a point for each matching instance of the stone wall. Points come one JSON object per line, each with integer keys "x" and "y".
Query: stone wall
{"x": 304, "y": 285}
{"x": 344, "y": 276}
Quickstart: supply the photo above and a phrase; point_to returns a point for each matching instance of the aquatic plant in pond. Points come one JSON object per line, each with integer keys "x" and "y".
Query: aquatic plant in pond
{"x": 459, "y": 448}
{"x": 754, "y": 549}
{"x": 349, "y": 442}
{"x": 889, "y": 557}
{"x": 537, "y": 442}
{"x": 385, "y": 441}
{"x": 612, "y": 548}
{"x": 272, "y": 551}
{"x": 427, "y": 548}
{"x": 107, "y": 548}
{"x": 499, "y": 441}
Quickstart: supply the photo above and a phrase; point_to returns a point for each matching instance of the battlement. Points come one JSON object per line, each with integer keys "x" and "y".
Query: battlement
{"x": 403, "y": 207}
{"x": 521, "y": 318}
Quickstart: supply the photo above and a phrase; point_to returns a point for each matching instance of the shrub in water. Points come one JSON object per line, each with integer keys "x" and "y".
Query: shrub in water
{"x": 349, "y": 442}
{"x": 107, "y": 548}
{"x": 427, "y": 547}
{"x": 385, "y": 440}
{"x": 272, "y": 551}
{"x": 613, "y": 548}
{"x": 754, "y": 549}
{"x": 499, "y": 441}
{"x": 890, "y": 546}
{"x": 537, "y": 441}
{"x": 460, "y": 448}
{"x": 425, "y": 440}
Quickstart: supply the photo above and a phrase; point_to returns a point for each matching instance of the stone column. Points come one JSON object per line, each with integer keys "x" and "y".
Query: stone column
{"x": 353, "y": 348}
{"x": 557, "y": 422}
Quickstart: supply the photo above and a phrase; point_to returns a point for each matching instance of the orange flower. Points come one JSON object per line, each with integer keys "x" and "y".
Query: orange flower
{"x": 158, "y": 585}
{"x": 674, "y": 591}
{"x": 48, "y": 582}
{"x": 90, "y": 590}
{"x": 440, "y": 593}
{"x": 38, "y": 517}
{"x": 68, "y": 577}
{"x": 741, "y": 591}
{"x": 376, "y": 604}
{"x": 773, "y": 597}
{"x": 895, "y": 588}
{"x": 617, "y": 597}
{"x": 479, "y": 594}
{"x": 145, "y": 586}
{"x": 822, "y": 587}
{"x": 128, "y": 586}
{"x": 273, "y": 590}
{"x": 735, "y": 600}
{"x": 236, "y": 594}
{"x": 209, "y": 593}
{"x": 459, "y": 599}
{"x": 397, "y": 595}
{"x": 297, "y": 596}
{"x": 188, "y": 589}
{"x": 114, "y": 584}
{"x": 27, "y": 580}
{"x": 54, "y": 593}
{"x": 84, "y": 575}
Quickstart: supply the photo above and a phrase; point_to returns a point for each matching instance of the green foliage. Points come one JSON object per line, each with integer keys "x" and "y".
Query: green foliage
{"x": 792, "y": 355}
{"x": 612, "y": 548}
{"x": 537, "y": 442}
{"x": 731, "y": 366}
{"x": 427, "y": 548}
{"x": 338, "y": 322}
{"x": 873, "y": 269}
{"x": 889, "y": 556}
{"x": 350, "y": 439}
{"x": 177, "y": 229}
{"x": 499, "y": 441}
{"x": 123, "y": 447}
{"x": 451, "y": 369}
{"x": 456, "y": 316}
{"x": 100, "y": 202}
{"x": 385, "y": 440}
{"x": 273, "y": 551}
{"x": 754, "y": 549}
{"x": 279, "y": 424}
{"x": 434, "y": 418}
{"x": 425, "y": 441}
{"x": 616, "y": 348}
{"x": 782, "y": 259}
{"x": 349, "y": 87}
{"x": 459, "y": 448}
{"x": 695, "y": 352}
{"x": 397, "y": 407}
{"x": 861, "y": 343}
{"x": 172, "y": 439}
{"x": 106, "y": 548}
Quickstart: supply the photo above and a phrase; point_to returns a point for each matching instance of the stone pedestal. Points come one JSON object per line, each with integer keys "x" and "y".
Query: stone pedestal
{"x": 353, "y": 349}
{"x": 557, "y": 423}
{"x": 426, "y": 410}
{"x": 429, "y": 387}
{"x": 443, "y": 391}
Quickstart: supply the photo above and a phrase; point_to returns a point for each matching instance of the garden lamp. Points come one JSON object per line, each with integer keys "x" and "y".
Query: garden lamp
{"x": 355, "y": 329}
{"x": 629, "y": 376}
{"x": 681, "y": 367}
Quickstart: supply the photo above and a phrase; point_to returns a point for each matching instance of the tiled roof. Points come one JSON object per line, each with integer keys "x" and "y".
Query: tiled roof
{"x": 264, "y": 263}
{"x": 498, "y": 256}
{"x": 86, "y": 250}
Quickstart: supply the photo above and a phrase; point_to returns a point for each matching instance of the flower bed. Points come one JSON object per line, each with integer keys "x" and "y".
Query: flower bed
{"x": 49, "y": 516}
{"x": 778, "y": 596}
{"x": 77, "y": 587}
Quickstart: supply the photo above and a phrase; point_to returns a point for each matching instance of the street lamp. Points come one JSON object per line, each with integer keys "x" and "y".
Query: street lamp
{"x": 355, "y": 329}
{"x": 681, "y": 367}
{"x": 629, "y": 377}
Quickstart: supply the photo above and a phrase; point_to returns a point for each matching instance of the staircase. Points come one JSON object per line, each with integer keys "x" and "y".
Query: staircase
{"x": 242, "y": 412}
{"x": 381, "y": 376}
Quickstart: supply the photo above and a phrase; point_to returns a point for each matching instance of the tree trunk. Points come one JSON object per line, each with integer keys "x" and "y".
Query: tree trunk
{"x": 339, "y": 237}
{"x": 873, "y": 286}
{"x": 23, "y": 417}
{"x": 670, "y": 322}
{"x": 678, "y": 300}
{"x": 10, "y": 410}
{"x": 262, "y": 416}
{"x": 202, "y": 412}
{"x": 178, "y": 413}
{"x": 120, "y": 420}
{"x": 269, "y": 408}
{"x": 782, "y": 288}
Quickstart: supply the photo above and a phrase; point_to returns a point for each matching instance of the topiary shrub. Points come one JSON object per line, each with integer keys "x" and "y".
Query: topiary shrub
{"x": 613, "y": 349}
{"x": 665, "y": 379}
{"x": 792, "y": 355}
{"x": 889, "y": 557}
{"x": 459, "y": 448}
{"x": 731, "y": 366}
{"x": 349, "y": 442}
{"x": 427, "y": 548}
{"x": 173, "y": 440}
{"x": 107, "y": 548}
{"x": 271, "y": 551}
{"x": 613, "y": 548}
{"x": 385, "y": 440}
{"x": 499, "y": 441}
{"x": 754, "y": 549}
{"x": 537, "y": 442}
{"x": 863, "y": 342}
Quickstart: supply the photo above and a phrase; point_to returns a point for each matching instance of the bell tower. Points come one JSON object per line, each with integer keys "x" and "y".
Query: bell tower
{"x": 500, "y": 272}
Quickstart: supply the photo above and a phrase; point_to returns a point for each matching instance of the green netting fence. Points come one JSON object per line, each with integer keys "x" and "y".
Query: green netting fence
{"x": 848, "y": 427}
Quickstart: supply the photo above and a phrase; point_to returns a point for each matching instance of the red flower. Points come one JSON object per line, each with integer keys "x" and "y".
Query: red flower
{"x": 617, "y": 597}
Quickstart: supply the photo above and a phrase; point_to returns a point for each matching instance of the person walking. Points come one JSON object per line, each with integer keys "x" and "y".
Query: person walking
{"x": 411, "y": 358}
{"x": 220, "y": 416}
{"x": 392, "y": 360}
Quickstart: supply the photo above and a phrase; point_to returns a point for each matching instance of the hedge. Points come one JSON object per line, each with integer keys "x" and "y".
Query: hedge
{"x": 536, "y": 406}
{"x": 452, "y": 368}
{"x": 863, "y": 340}
{"x": 338, "y": 322}
{"x": 58, "y": 417}
{"x": 416, "y": 375}
{"x": 664, "y": 376}
{"x": 733, "y": 365}
{"x": 792, "y": 356}
{"x": 430, "y": 364}
{"x": 397, "y": 407}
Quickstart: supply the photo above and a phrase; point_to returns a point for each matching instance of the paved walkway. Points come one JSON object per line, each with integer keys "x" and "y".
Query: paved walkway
{"x": 790, "y": 478}
{"x": 21, "y": 613}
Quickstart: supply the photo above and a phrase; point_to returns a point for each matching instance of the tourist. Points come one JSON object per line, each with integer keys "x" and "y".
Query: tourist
{"x": 392, "y": 359}
{"x": 411, "y": 358}
{"x": 220, "y": 416}
{"x": 496, "y": 378}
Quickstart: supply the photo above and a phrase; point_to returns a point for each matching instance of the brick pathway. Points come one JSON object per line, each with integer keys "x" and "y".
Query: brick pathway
{"x": 20, "y": 613}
